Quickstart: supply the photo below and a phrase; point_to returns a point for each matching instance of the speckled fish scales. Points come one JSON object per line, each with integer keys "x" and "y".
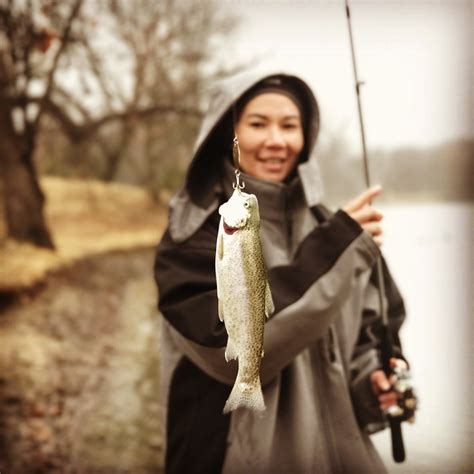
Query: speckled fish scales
{"x": 244, "y": 295}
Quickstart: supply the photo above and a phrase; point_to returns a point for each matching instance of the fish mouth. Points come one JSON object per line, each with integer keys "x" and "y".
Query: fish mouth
{"x": 229, "y": 230}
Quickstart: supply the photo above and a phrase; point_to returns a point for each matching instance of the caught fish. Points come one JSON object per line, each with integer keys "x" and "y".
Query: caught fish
{"x": 244, "y": 297}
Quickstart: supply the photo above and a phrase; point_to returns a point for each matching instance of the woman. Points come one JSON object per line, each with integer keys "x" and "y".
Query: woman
{"x": 321, "y": 376}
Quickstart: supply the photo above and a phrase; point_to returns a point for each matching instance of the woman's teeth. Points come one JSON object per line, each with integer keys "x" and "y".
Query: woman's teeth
{"x": 273, "y": 160}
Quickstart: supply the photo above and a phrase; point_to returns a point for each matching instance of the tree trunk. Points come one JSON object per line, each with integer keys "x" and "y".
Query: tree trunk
{"x": 23, "y": 198}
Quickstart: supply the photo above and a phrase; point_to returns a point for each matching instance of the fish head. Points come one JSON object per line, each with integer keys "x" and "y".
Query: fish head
{"x": 239, "y": 212}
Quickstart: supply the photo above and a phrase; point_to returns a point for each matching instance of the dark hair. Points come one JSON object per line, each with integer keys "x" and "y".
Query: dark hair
{"x": 277, "y": 84}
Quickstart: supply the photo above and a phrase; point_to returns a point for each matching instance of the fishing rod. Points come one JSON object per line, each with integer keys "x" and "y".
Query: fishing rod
{"x": 407, "y": 404}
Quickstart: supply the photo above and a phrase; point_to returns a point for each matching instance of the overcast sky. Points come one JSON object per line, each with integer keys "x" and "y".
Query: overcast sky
{"x": 415, "y": 57}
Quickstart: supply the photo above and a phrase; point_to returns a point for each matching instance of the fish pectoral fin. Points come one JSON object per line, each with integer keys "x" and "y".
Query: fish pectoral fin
{"x": 269, "y": 306}
{"x": 220, "y": 309}
{"x": 231, "y": 350}
{"x": 220, "y": 246}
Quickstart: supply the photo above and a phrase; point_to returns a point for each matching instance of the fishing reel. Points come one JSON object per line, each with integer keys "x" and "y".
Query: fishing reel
{"x": 404, "y": 410}
{"x": 407, "y": 401}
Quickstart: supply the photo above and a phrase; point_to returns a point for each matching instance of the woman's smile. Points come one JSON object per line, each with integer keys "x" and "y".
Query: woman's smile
{"x": 274, "y": 164}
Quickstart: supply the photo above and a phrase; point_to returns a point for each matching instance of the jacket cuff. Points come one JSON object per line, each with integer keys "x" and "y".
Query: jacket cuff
{"x": 367, "y": 242}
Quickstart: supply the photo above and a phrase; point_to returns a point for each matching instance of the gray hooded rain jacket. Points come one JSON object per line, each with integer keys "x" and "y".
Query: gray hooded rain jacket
{"x": 320, "y": 345}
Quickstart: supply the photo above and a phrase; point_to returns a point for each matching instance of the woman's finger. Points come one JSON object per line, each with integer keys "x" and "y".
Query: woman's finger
{"x": 373, "y": 228}
{"x": 386, "y": 406}
{"x": 366, "y": 214}
{"x": 379, "y": 382}
{"x": 388, "y": 397}
{"x": 398, "y": 362}
{"x": 378, "y": 240}
{"x": 363, "y": 199}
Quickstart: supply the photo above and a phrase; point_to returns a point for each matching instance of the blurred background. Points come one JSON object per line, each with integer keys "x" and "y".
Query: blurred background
{"x": 100, "y": 103}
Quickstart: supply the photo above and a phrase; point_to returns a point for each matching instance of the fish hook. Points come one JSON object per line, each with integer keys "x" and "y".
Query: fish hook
{"x": 236, "y": 157}
{"x": 238, "y": 185}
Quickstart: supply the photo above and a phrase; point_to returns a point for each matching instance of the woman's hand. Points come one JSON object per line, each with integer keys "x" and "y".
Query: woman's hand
{"x": 362, "y": 211}
{"x": 381, "y": 385}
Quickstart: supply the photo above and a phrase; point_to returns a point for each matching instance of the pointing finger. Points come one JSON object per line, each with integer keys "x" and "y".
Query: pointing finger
{"x": 363, "y": 199}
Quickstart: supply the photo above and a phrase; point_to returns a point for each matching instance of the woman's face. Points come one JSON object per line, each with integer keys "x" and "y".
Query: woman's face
{"x": 270, "y": 136}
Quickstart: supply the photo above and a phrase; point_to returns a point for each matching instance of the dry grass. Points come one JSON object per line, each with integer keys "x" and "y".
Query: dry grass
{"x": 84, "y": 217}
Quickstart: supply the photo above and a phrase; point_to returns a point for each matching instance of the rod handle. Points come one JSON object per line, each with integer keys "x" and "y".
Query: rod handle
{"x": 398, "y": 448}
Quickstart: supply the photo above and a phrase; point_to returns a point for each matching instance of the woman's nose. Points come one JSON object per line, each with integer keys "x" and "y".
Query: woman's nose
{"x": 275, "y": 137}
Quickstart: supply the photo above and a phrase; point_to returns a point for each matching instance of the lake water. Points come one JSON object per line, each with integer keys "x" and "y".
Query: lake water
{"x": 429, "y": 248}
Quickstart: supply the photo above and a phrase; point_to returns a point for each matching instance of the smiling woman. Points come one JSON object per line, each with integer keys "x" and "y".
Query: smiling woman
{"x": 320, "y": 376}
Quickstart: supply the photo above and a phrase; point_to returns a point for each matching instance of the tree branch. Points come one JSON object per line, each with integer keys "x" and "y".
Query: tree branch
{"x": 64, "y": 43}
{"x": 77, "y": 132}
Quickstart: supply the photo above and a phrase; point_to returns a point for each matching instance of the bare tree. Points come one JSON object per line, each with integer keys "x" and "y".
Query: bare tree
{"x": 24, "y": 45}
{"x": 142, "y": 67}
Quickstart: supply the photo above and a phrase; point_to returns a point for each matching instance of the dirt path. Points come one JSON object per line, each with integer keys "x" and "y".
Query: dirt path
{"x": 79, "y": 371}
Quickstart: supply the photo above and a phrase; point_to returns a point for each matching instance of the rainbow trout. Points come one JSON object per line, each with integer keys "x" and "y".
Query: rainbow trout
{"x": 244, "y": 296}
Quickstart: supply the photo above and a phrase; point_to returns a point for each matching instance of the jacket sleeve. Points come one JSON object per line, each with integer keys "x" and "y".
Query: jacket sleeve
{"x": 307, "y": 293}
{"x": 367, "y": 356}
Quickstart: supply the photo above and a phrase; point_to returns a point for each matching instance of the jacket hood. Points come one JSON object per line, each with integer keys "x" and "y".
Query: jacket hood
{"x": 200, "y": 195}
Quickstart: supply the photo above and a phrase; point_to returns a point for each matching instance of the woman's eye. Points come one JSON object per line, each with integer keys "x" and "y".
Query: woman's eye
{"x": 257, "y": 124}
{"x": 290, "y": 126}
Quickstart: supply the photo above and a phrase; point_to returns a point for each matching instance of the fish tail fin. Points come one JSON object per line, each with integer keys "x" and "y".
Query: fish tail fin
{"x": 245, "y": 395}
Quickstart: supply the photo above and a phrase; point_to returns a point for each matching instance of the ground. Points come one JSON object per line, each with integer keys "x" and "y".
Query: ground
{"x": 85, "y": 218}
{"x": 79, "y": 340}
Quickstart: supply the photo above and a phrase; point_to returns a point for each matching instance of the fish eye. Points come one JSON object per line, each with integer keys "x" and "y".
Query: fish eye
{"x": 246, "y": 204}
